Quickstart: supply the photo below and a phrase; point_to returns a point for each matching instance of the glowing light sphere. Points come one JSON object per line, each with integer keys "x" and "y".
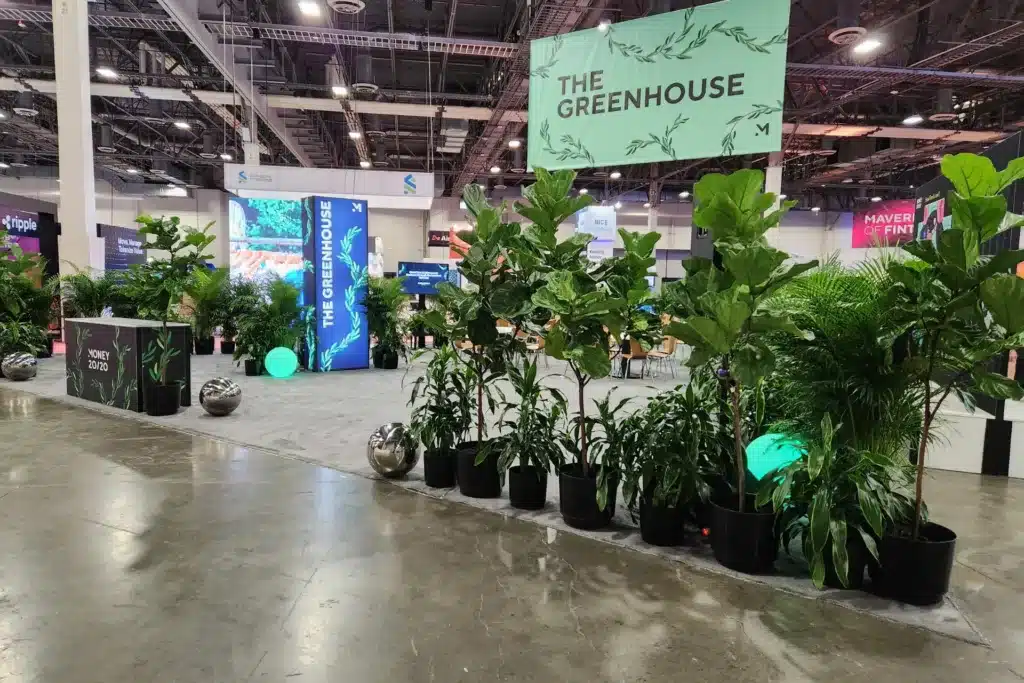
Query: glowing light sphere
{"x": 771, "y": 452}
{"x": 281, "y": 362}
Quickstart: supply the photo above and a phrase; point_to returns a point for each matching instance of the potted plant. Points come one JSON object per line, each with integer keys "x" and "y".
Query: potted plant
{"x": 273, "y": 322}
{"x": 241, "y": 298}
{"x": 956, "y": 309}
{"x": 728, "y": 319}
{"x": 206, "y": 292}
{"x": 838, "y": 501}
{"x": 384, "y": 302}
{"x": 161, "y": 292}
{"x": 529, "y": 444}
{"x": 667, "y": 459}
{"x": 86, "y": 295}
{"x": 441, "y": 416}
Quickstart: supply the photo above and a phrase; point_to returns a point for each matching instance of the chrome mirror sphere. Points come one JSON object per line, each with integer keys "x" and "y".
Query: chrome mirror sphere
{"x": 391, "y": 451}
{"x": 220, "y": 396}
{"x": 19, "y": 367}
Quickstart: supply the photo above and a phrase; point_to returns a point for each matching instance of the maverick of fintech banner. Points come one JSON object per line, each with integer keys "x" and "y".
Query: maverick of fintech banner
{"x": 700, "y": 82}
{"x": 335, "y": 251}
{"x": 884, "y": 224}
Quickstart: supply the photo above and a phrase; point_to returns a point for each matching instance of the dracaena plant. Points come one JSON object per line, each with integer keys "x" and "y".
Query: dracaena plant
{"x": 168, "y": 279}
{"x": 442, "y": 413}
{"x": 955, "y": 307}
{"x": 532, "y": 424}
{"x": 727, "y": 313}
{"x": 834, "y": 495}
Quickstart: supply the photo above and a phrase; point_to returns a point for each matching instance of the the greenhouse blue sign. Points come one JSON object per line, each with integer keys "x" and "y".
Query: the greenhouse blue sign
{"x": 335, "y": 253}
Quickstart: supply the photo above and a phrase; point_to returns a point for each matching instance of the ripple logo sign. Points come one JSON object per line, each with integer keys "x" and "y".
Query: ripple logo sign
{"x": 409, "y": 184}
{"x": 25, "y": 223}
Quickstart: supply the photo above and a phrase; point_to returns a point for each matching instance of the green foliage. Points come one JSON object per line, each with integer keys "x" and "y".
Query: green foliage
{"x": 442, "y": 403}
{"x": 85, "y": 295}
{"x": 835, "y": 495}
{"x": 240, "y": 298}
{"x": 532, "y": 424}
{"x": 669, "y": 448}
{"x": 25, "y": 307}
{"x": 159, "y": 285}
{"x": 726, "y": 315}
{"x": 384, "y": 302}
{"x": 274, "y": 321}
{"x": 952, "y": 307}
{"x": 207, "y": 291}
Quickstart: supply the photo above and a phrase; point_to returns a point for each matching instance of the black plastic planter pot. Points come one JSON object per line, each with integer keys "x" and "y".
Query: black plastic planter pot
{"x": 227, "y": 347}
{"x": 384, "y": 360}
{"x": 856, "y": 563}
{"x": 477, "y": 481}
{"x": 916, "y": 571}
{"x": 204, "y": 346}
{"x": 162, "y": 399}
{"x": 439, "y": 469}
{"x": 743, "y": 541}
{"x": 527, "y": 487}
{"x": 253, "y": 367}
{"x": 578, "y": 497}
{"x": 662, "y": 526}
{"x": 47, "y": 351}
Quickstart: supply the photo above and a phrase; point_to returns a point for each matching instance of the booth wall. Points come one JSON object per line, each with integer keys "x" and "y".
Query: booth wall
{"x": 403, "y": 233}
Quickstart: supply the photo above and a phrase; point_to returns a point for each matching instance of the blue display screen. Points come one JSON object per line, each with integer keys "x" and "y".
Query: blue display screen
{"x": 422, "y": 278}
{"x": 335, "y": 259}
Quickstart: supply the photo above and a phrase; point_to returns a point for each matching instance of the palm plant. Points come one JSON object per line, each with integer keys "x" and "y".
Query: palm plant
{"x": 384, "y": 301}
{"x": 241, "y": 297}
{"x": 273, "y": 322}
{"x": 837, "y": 499}
{"x": 86, "y": 295}
{"x": 207, "y": 291}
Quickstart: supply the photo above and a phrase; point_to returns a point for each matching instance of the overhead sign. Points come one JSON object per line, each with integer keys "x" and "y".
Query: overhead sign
{"x": 335, "y": 252}
{"x": 884, "y": 224}
{"x": 422, "y": 278}
{"x": 700, "y": 82}
{"x": 122, "y": 247}
{"x": 598, "y": 221}
{"x": 18, "y": 222}
{"x": 438, "y": 238}
{"x": 379, "y": 189}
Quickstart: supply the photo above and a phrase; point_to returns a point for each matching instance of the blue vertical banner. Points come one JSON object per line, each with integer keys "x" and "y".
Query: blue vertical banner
{"x": 335, "y": 260}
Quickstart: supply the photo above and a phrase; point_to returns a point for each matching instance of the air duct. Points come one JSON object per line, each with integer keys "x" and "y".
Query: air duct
{"x": 518, "y": 165}
{"x": 453, "y": 136}
{"x": 106, "y": 143}
{"x": 363, "y": 83}
{"x": 499, "y": 182}
{"x": 158, "y": 165}
{"x": 828, "y": 147}
{"x": 209, "y": 146}
{"x": 23, "y": 105}
{"x": 380, "y": 159}
{"x": 193, "y": 181}
{"x": 347, "y": 6}
{"x": 18, "y": 161}
{"x": 943, "y": 107}
{"x": 373, "y": 127}
{"x": 848, "y": 28}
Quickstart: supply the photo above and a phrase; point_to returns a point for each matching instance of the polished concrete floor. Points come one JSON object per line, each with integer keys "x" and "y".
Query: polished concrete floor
{"x": 132, "y": 553}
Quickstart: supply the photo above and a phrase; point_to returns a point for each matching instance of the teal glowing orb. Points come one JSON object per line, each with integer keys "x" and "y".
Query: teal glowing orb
{"x": 281, "y": 362}
{"x": 770, "y": 452}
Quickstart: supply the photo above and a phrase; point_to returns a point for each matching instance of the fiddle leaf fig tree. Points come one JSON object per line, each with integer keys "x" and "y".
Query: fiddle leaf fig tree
{"x": 726, "y": 307}
{"x": 955, "y": 307}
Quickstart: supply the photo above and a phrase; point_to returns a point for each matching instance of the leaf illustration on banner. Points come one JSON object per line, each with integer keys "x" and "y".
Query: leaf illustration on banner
{"x": 676, "y": 45}
{"x": 664, "y": 142}
{"x": 358, "y": 275}
{"x": 544, "y": 70}
{"x": 759, "y": 110}
{"x": 574, "y": 149}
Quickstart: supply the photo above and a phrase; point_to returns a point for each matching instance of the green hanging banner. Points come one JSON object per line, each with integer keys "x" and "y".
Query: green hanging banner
{"x": 701, "y": 82}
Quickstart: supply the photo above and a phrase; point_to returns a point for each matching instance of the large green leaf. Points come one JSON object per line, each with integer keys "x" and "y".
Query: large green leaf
{"x": 1013, "y": 172}
{"x": 922, "y": 249}
{"x": 708, "y": 333}
{"x": 819, "y": 520}
{"x": 766, "y": 322}
{"x": 729, "y": 313}
{"x": 1004, "y": 297}
{"x": 1003, "y": 262}
{"x": 869, "y": 543}
{"x": 951, "y": 249}
{"x": 997, "y": 386}
{"x": 840, "y": 561}
{"x": 782, "y": 277}
{"x": 817, "y": 563}
{"x": 869, "y": 507}
{"x": 972, "y": 175}
{"x": 592, "y": 360}
{"x": 751, "y": 362}
{"x": 545, "y": 298}
{"x": 981, "y": 215}
{"x": 752, "y": 265}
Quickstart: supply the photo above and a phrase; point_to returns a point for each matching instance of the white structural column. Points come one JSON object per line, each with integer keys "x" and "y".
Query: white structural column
{"x": 773, "y": 183}
{"x": 74, "y": 122}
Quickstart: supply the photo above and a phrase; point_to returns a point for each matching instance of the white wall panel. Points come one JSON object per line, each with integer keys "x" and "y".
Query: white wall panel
{"x": 404, "y": 234}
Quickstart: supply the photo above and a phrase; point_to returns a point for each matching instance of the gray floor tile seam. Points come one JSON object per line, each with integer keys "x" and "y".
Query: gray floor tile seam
{"x": 416, "y": 486}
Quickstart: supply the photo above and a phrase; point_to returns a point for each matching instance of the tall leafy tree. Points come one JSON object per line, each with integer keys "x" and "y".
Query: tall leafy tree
{"x": 728, "y": 315}
{"x": 956, "y": 308}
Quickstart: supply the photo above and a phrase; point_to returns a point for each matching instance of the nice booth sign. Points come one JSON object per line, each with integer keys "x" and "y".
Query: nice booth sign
{"x": 700, "y": 82}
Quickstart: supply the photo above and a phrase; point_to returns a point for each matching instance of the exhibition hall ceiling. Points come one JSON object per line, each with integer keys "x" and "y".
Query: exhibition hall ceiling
{"x": 441, "y": 86}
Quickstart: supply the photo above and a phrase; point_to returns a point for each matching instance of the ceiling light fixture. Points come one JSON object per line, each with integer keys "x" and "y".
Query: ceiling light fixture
{"x": 782, "y": 197}
{"x": 183, "y": 125}
{"x": 226, "y": 156}
{"x": 618, "y": 205}
{"x": 339, "y": 91}
{"x": 684, "y": 194}
{"x": 584, "y": 190}
{"x": 894, "y": 92}
{"x": 913, "y": 120}
{"x": 815, "y": 209}
{"x": 604, "y": 25}
{"x": 4, "y": 164}
{"x": 515, "y": 144}
{"x": 876, "y": 199}
{"x": 355, "y": 134}
{"x": 647, "y": 205}
{"x": 495, "y": 169}
{"x": 132, "y": 171}
{"x": 364, "y": 164}
{"x": 106, "y": 72}
{"x": 867, "y": 46}
{"x": 847, "y": 181}
{"x": 615, "y": 175}
{"x": 309, "y": 8}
